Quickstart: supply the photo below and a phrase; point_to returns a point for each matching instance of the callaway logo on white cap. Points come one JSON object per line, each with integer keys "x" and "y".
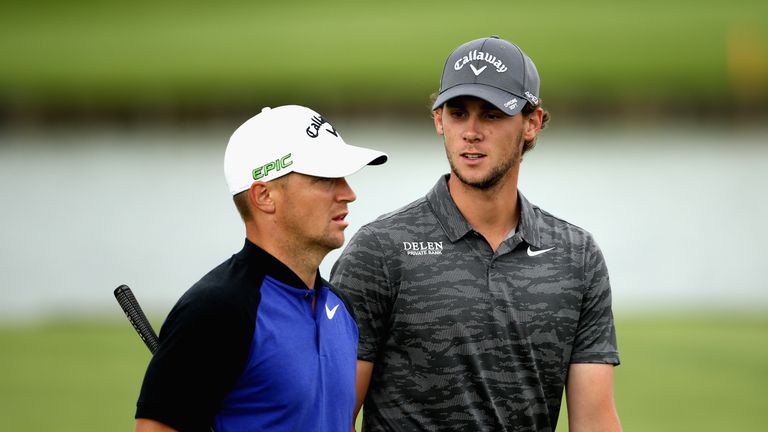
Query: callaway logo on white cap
{"x": 287, "y": 139}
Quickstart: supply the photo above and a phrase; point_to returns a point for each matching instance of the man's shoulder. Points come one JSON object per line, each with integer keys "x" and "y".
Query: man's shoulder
{"x": 415, "y": 209}
{"x": 217, "y": 279}
{"x": 555, "y": 229}
{"x": 228, "y": 285}
{"x": 556, "y": 222}
{"x": 413, "y": 220}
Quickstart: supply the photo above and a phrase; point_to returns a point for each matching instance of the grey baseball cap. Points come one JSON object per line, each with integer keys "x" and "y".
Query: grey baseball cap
{"x": 491, "y": 69}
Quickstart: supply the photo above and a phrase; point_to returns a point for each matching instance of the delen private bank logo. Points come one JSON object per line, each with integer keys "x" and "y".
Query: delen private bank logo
{"x": 423, "y": 248}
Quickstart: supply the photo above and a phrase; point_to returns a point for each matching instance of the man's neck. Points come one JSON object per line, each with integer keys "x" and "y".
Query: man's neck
{"x": 492, "y": 212}
{"x": 302, "y": 262}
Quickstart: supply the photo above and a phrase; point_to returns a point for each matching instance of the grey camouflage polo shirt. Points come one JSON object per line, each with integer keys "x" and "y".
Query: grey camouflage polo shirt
{"x": 466, "y": 339}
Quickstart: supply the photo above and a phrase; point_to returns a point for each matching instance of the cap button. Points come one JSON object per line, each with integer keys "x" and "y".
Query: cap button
{"x": 494, "y": 36}
{"x": 265, "y": 109}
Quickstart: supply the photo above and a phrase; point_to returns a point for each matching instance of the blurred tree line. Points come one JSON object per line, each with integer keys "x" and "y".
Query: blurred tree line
{"x": 175, "y": 60}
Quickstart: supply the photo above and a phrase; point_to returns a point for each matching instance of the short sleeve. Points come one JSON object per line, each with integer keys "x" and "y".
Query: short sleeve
{"x": 204, "y": 345}
{"x": 596, "y": 335}
{"x": 361, "y": 272}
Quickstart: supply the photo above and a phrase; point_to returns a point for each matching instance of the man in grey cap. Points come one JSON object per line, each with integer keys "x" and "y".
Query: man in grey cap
{"x": 476, "y": 308}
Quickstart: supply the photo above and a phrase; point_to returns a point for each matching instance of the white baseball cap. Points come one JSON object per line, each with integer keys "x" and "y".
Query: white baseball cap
{"x": 286, "y": 139}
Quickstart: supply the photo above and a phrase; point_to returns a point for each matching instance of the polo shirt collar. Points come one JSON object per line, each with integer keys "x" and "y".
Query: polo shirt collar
{"x": 255, "y": 257}
{"x": 449, "y": 216}
{"x": 456, "y": 226}
{"x": 527, "y": 226}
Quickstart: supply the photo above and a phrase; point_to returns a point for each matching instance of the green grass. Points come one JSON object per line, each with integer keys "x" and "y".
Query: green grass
{"x": 350, "y": 52}
{"x": 695, "y": 373}
{"x": 692, "y": 374}
{"x": 705, "y": 374}
{"x": 70, "y": 376}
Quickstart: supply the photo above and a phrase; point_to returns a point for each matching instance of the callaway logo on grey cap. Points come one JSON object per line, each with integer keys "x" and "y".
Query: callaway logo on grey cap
{"x": 492, "y": 69}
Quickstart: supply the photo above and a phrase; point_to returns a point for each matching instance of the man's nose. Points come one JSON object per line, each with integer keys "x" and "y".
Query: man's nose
{"x": 344, "y": 192}
{"x": 472, "y": 132}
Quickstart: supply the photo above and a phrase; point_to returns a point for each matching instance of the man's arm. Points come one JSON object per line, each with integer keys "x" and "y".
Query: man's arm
{"x": 147, "y": 425}
{"x": 589, "y": 394}
{"x": 364, "y": 372}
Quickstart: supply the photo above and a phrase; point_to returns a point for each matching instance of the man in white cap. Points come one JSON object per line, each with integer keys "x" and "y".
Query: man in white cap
{"x": 477, "y": 308}
{"x": 262, "y": 342}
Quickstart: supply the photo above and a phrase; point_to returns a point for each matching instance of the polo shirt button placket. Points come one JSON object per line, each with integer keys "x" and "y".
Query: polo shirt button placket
{"x": 491, "y": 268}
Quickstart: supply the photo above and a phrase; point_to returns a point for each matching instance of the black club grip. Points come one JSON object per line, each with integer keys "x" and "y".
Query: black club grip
{"x": 136, "y": 316}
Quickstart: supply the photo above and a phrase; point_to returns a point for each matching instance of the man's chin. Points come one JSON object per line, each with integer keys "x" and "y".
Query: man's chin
{"x": 481, "y": 183}
{"x": 335, "y": 243}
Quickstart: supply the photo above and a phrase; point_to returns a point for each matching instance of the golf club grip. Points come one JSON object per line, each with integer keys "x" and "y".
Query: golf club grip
{"x": 136, "y": 316}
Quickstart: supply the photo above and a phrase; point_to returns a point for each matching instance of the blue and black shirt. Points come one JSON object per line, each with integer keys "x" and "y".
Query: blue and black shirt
{"x": 243, "y": 349}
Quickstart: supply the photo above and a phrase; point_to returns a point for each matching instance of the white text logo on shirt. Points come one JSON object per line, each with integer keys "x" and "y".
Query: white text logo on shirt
{"x": 423, "y": 248}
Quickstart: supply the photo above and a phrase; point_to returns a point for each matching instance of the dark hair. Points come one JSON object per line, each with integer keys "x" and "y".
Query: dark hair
{"x": 527, "y": 110}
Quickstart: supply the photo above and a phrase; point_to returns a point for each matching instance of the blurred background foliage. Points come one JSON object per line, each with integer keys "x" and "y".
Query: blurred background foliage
{"x": 97, "y": 58}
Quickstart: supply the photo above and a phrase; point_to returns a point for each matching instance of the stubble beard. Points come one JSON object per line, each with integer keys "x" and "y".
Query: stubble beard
{"x": 308, "y": 241}
{"x": 494, "y": 177}
{"x": 334, "y": 242}
{"x": 326, "y": 242}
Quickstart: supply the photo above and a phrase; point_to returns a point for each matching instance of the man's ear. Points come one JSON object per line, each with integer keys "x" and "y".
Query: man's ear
{"x": 533, "y": 124}
{"x": 437, "y": 116}
{"x": 261, "y": 198}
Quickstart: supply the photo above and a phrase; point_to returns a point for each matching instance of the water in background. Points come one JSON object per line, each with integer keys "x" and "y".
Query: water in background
{"x": 680, "y": 213}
